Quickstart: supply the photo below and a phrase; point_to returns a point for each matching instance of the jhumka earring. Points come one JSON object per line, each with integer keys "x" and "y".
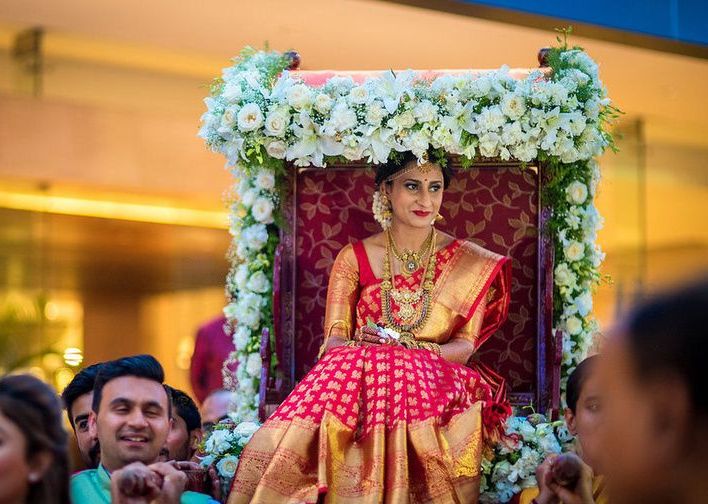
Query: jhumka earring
{"x": 438, "y": 218}
{"x": 382, "y": 209}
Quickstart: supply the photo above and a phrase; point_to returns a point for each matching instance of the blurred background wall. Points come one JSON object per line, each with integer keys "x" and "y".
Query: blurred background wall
{"x": 112, "y": 222}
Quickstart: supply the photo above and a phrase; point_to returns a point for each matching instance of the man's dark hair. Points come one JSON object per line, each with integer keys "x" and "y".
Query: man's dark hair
{"x": 577, "y": 380}
{"x": 667, "y": 335}
{"x": 81, "y": 384}
{"x": 139, "y": 366}
{"x": 185, "y": 408}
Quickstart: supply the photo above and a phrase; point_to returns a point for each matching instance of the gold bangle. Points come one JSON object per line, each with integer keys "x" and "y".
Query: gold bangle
{"x": 433, "y": 347}
{"x": 332, "y": 326}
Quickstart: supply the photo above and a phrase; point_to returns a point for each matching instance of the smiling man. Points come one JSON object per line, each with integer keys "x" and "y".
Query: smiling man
{"x": 130, "y": 416}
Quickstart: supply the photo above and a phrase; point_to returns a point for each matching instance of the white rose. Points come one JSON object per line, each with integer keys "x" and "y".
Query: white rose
{"x": 207, "y": 460}
{"x": 488, "y": 144}
{"x": 481, "y": 86}
{"x": 576, "y": 193}
{"x": 425, "y": 112}
{"x": 375, "y": 113}
{"x": 250, "y": 117}
{"x": 417, "y": 142}
{"x": 259, "y": 282}
{"x": 227, "y": 466}
{"x": 253, "y": 364}
{"x": 242, "y": 335}
{"x": 265, "y": 180}
{"x": 262, "y": 210}
{"x": 564, "y": 276}
{"x": 574, "y": 251}
{"x": 232, "y": 92}
{"x": 491, "y": 119}
{"x": 241, "y": 276}
{"x": 231, "y": 311}
{"x": 592, "y": 108}
{"x": 219, "y": 441}
{"x": 299, "y": 96}
{"x": 276, "y": 123}
{"x": 341, "y": 85}
{"x": 342, "y": 117}
{"x": 248, "y": 198}
{"x": 359, "y": 95}
{"x": 255, "y": 237}
{"x": 583, "y": 303}
{"x": 249, "y": 316}
{"x": 323, "y": 103}
{"x": 228, "y": 119}
{"x": 276, "y": 149}
{"x": 405, "y": 120}
{"x": 574, "y": 325}
{"x": 353, "y": 151}
{"x": 513, "y": 106}
{"x": 246, "y": 429}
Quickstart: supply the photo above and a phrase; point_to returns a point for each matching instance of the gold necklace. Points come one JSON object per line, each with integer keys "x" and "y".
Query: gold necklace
{"x": 410, "y": 259}
{"x": 407, "y": 298}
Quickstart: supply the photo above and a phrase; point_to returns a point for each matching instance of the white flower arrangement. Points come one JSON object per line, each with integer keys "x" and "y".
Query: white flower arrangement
{"x": 513, "y": 468}
{"x": 259, "y": 116}
{"x": 223, "y": 447}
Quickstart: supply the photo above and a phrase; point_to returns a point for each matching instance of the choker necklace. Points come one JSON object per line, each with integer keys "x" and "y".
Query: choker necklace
{"x": 412, "y": 318}
{"x": 410, "y": 259}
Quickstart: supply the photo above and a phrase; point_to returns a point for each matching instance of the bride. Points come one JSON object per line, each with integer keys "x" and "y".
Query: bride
{"x": 391, "y": 413}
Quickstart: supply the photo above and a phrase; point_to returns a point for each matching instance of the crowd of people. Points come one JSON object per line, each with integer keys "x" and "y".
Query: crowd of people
{"x": 638, "y": 412}
{"x": 136, "y": 437}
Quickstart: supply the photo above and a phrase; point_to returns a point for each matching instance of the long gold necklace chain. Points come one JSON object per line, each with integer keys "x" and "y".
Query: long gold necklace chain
{"x": 405, "y": 298}
{"x": 410, "y": 259}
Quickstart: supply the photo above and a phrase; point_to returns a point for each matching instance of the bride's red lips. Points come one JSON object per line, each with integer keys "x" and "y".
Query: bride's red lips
{"x": 421, "y": 213}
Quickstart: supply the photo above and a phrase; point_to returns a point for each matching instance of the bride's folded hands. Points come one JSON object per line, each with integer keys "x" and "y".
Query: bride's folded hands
{"x": 371, "y": 336}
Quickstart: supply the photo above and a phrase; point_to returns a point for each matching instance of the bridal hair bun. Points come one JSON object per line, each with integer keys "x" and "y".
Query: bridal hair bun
{"x": 400, "y": 160}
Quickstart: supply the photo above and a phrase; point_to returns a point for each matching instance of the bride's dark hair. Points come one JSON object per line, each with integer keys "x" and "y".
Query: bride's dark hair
{"x": 398, "y": 161}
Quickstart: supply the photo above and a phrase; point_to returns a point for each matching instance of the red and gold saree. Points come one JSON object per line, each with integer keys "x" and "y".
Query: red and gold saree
{"x": 377, "y": 424}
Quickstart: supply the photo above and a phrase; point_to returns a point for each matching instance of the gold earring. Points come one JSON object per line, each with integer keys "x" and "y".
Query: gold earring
{"x": 388, "y": 208}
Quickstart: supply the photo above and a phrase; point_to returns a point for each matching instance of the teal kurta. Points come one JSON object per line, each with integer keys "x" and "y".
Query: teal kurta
{"x": 93, "y": 486}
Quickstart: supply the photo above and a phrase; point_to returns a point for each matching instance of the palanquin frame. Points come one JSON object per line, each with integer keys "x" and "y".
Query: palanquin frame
{"x": 544, "y": 395}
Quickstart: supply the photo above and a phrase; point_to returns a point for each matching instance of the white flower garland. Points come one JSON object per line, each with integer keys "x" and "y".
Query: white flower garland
{"x": 259, "y": 116}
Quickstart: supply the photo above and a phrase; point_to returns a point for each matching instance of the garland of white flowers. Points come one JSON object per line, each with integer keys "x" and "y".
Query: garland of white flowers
{"x": 259, "y": 116}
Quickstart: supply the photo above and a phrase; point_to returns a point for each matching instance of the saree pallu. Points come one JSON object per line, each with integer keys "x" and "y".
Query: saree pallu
{"x": 380, "y": 423}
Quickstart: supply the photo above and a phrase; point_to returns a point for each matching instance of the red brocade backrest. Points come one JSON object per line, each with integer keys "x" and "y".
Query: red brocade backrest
{"x": 494, "y": 205}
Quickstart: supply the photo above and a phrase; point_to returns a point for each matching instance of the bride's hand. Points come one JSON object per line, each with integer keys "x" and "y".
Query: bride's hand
{"x": 370, "y": 336}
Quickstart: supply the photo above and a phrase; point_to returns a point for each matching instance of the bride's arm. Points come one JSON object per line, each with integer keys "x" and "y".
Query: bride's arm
{"x": 457, "y": 350}
{"x": 462, "y": 344}
{"x": 342, "y": 296}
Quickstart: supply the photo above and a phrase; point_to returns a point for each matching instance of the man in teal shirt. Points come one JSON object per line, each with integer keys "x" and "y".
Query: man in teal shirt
{"x": 130, "y": 416}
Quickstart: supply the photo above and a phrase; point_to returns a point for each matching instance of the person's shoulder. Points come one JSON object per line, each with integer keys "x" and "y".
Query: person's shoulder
{"x": 348, "y": 254}
{"x": 190, "y": 497}
{"x": 81, "y": 485}
{"x": 84, "y": 475}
